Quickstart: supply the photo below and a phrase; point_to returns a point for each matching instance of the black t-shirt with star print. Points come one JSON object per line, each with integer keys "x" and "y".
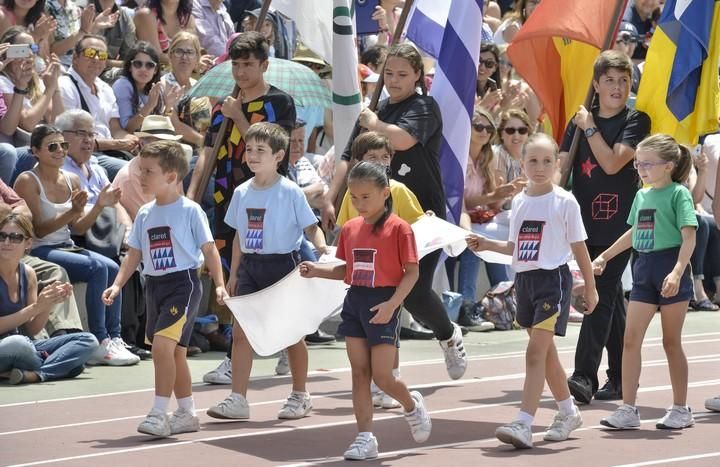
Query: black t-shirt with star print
{"x": 605, "y": 200}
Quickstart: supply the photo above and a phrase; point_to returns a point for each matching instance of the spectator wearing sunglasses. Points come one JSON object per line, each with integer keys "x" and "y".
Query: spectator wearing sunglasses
{"x": 626, "y": 42}
{"x": 139, "y": 91}
{"x": 489, "y": 83}
{"x": 82, "y": 88}
{"x": 514, "y": 129}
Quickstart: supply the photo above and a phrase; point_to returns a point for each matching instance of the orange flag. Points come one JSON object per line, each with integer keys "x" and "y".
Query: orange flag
{"x": 555, "y": 50}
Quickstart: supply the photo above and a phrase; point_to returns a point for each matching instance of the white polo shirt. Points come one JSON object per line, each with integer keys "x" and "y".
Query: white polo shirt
{"x": 102, "y": 107}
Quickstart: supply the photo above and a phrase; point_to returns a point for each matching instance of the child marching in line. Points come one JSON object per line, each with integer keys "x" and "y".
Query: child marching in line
{"x": 269, "y": 214}
{"x": 663, "y": 233}
{"x": 170, "y": 235}
{"x": 546, "y": 230}
{"x": 381, "y": 268}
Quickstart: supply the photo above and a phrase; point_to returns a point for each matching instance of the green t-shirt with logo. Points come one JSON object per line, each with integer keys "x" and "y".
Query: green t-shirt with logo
{"x": 656, "y": 217}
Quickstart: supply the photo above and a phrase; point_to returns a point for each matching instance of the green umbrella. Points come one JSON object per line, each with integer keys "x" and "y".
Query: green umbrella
{"x": 305, "y": 87}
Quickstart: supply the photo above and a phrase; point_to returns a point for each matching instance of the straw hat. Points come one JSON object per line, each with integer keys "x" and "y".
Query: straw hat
{"x": 158, "y": 126}
{"x": 304, "y": 54}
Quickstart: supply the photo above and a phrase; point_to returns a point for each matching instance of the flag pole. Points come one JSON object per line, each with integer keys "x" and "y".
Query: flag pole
{"x": 610, "y": 36}
{"x": 209, "y": 166}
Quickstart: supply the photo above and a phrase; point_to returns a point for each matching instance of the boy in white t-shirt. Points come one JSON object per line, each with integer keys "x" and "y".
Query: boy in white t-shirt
{"x": 546, "y": 230}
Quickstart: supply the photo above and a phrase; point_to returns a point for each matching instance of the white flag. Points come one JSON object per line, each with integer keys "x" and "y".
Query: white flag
{"x": 313, "y": 19}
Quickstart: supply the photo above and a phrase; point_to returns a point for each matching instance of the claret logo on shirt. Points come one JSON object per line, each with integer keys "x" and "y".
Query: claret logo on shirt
{"x": 363, "y": 274}
{"x": 529, "y": 239}
{"x": 254, "y": 236}
{"x": 645, "y": 230}
{"x": 161, "y": 248}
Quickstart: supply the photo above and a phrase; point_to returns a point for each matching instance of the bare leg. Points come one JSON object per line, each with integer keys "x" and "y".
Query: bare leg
{"x": 359, "y": 355}
{"x": 639, "y": 316}
{"x": 672, "y": 318}
{"x": 298, "y": 358}
{"x": 163, "y": 354}
{"x": 382, "y": 365}
{"x": 242, "y": 359}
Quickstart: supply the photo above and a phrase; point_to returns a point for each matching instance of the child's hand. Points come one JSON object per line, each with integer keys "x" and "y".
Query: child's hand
{"x": 475, "y": 242}
{"x": 383, "y": 313}
{"x": 231, "y": 284}
{"x": 307, "y": 269}
{"x": 591, "y": 299}
{"x": 108, "y": 297}
{"x": 671, "y": 285}
{"x": 221, "y": 294}
{"x": 598, "y": 265}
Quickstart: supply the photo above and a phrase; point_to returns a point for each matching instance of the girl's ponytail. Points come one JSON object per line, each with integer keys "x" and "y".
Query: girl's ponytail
{"x": 681, "y": 172}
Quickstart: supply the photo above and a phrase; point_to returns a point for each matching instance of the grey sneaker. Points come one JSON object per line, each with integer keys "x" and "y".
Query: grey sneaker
{"x": 516, "y": 433}
{"x": 713, "y": 404}
{"x": 562, "y": 426}
{"x": 455, "y": 356}
{"x": 362, "y": 448}
{"x": 220, "y": 375}
{"x": 384, "y": 401}
{"x": 297, "y": 405}
{"x": 419, "y": 419}
{"x": 283, "y": 364}
{"x": 233, "y": 407}
{"x": 155, "y": 424}
{"x": 626, "y": 417}
{"x": 182, "y": 421}
{"x": 676, "y": 418}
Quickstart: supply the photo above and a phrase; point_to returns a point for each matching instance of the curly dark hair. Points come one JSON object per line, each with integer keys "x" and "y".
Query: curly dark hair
{"x": 33, "y": 13}
{"x": 184, "y": 10}
{"x": 141, "y": 47}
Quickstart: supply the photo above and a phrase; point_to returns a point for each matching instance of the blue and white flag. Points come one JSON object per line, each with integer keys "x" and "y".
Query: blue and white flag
{"x": 454, "y": 83}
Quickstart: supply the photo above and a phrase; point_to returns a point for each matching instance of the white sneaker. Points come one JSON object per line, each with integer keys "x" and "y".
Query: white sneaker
{"x": 220, "y": 375}
{"x": 419, "y": 419}
{"x": 626, "y": 417}
{"x": 283, "y": 364}
{"x": 713, "y": 404}
{"x": 233, "y": 407}
{"x": 362, "y": 448}
{"x": 297, "y": 405}
{"x": 455, "y": 356}
{"x": 676, "y": 418}
{"x": 155, "y": 424}
{"x": 516, "y": 433}
{"x": 562, "y": 426}
{"x": 384, "y": 401}
{"x": 109, "y": 353}
{"x": 121, "y": 356}
{"x": 183, "y": 421}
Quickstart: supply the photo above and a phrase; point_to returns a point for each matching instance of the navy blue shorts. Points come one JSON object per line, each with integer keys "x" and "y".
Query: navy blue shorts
{"x": 258, "y": 271}
{"x": 649, "y": 271}
{"x": 172, "y": 304}
{"x": 356, "y": 316}
{"x": 543, "y": 299}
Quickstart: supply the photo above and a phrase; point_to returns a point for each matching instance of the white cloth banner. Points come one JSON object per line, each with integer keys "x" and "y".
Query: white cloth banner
{"x": 313, "y": 19}
{"x": 282, "y": 314}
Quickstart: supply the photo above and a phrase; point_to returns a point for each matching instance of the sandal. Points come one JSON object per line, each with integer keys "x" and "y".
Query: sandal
{"x": 704, "y": 305}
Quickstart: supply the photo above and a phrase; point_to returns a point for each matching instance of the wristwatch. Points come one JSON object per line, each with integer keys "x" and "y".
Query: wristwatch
{"x": 590, "y": 131}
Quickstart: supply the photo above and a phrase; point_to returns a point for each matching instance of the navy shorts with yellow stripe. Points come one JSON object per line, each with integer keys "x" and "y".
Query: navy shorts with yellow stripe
{"x": 543, "y": 299}
{"x": 172, "y": 304}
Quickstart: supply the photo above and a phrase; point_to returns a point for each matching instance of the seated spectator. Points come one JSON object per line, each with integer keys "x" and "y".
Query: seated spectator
{"x": 23, "y": 360}
{"x": 8, "y": 114}
{"x": 29, "y": 15}
{"x": 119, "y": 37}
{"x": 214, "y": 26}
{"x": 82, "y": 88}
{"x": 641, "y": 14}
{"x": 301, "y": 170}
{"x": 138, "y": 91}
{"x": 58, "y": 208}
{"x": 626, "y": 42}
{"x": 155, "y": 128}
{"x": 158, "y": 26}
{"x": 268, "y": 30}
{"x": 514, "y": 20}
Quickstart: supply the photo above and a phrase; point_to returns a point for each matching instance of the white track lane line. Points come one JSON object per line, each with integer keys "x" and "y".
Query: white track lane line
{"x": 673, "y": 459}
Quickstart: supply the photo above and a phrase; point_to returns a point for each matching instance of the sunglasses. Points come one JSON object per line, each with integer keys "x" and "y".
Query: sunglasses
{"x": 138, "y": 64}
{"x": 488, "y": 63}
{"x": 647, "y": 165}
{"x": 52, "y": 147}
{"x": 479, "y": 127}
{"x": 523, "y": 130}
{"x": 90, "y": 52}
{"x": 13, "y": 237}
{"x": 184, "y": 52}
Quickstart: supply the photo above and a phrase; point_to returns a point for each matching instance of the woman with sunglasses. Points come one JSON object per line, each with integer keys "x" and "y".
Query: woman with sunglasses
{"x": 138, "y": 91}
{"x": 58, "y": 207}
{"x": 489, "y": 84}
{"x": 23, "y": 360}
{"x": 160, "y": 20}
{"x": 42, "y": 102}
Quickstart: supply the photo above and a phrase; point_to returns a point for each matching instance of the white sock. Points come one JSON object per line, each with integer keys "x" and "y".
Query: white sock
{"x": 366, "y": 434}
{"x": 161, "y": 403}
{"x": 236, "y": 395}
{"x": 373, "y": 387}
{"x": 396, "y": 372}
{"x": 187, "y": 404}
{"x": 684, "y": 407}
{"x": 525, "y": 418}
{"x": 566, "y": 407}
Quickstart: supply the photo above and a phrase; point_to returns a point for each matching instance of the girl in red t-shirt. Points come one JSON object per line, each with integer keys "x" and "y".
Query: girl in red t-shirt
{"x": 381, "y": 267}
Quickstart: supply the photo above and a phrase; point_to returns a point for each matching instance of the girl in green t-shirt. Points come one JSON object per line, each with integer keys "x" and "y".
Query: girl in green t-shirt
{"x": 663, "y": 234}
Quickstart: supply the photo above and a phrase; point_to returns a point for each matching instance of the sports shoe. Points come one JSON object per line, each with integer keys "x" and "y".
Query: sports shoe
{"x": 183, "y": 421}
{"x": 516, "y": 433}
{"x": 562, "y": 426}
{"x": 110, "y": 353}
{"x": 297, "y": 405}
{"x": 220, "y": 375}
{"x": 233, "y": 407}
{"x": 713, "y": 404}
{"x": 419, "y": 419}
{"x": 470, "y": 318}
{"x": 18, "y": 376}
{"x": 283, "y": 364}
{"x": 676, "y": 418}
{"x": 123, "y": 350}
{"x": 626, "y": 417}
{"x": 319, "y": 338}
{"x": 611, "y": 391}
{"x": 384, "y": 401}
{"x": 362, "y": 448}
{"x": 155, "y": 424}
{"x": 580, "y": 388}
{"x": 455, "y": 356}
